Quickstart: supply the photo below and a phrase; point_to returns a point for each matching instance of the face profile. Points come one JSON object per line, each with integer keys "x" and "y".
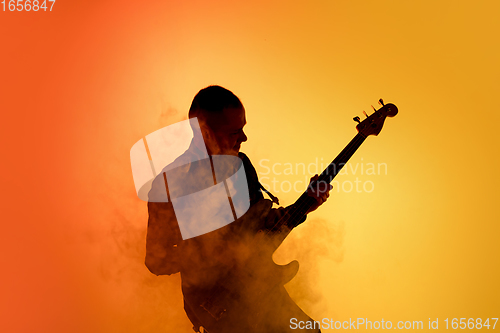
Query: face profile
{"x": 223, "y": 132}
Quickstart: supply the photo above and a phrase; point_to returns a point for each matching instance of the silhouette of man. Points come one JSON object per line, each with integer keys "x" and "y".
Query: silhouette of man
{"x": 226, "y": 286}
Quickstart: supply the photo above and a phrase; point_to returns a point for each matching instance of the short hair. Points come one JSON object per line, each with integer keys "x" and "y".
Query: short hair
{"x": 213, "y": 99}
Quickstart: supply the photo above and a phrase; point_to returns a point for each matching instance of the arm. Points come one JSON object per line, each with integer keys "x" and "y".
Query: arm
{"x": 320, "y": 194}
{"x": 163, "y": 236}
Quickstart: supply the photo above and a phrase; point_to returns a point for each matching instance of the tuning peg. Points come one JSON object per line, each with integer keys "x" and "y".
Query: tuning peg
{"x": 365, "y": 114}
{"x": 374, "y": 108}
{"x": 356, "y": 119}
{"x": 381, "y": 102}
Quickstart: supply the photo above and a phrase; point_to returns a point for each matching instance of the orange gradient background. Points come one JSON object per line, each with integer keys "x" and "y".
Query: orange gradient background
{"x": 81, "y": 84}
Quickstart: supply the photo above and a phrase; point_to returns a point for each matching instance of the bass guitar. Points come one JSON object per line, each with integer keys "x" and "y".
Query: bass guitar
{"x": 247, "y": 293}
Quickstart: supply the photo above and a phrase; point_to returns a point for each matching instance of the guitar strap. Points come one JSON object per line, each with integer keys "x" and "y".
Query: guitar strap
{"x": 273, "y": 198}
{"x": 276, "y": 201}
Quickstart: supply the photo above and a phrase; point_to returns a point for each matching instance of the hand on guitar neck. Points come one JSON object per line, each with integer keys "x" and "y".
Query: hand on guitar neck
{"x": 319, "y": 191}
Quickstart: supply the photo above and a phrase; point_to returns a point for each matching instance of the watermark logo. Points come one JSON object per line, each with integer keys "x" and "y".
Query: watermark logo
{"x": 270, "y": 172}
{"x": 172, "y": 165}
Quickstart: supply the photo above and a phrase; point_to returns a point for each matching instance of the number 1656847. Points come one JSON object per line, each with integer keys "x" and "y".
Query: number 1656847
{"x": 471, "y": 323}
{"x": 27, "y": 5}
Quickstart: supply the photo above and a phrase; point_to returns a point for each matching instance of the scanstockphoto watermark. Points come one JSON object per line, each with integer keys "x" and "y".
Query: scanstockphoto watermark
{"x": 355, "y": 324}
{"x": 270, "y": 175}
{"x": 365, "y": 323}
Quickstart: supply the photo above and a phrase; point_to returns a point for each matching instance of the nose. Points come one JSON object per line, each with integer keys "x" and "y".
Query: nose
{"x": 243, "y": 136}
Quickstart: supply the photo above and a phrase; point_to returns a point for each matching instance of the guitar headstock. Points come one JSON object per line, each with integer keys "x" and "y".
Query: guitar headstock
{"x": 373, "y": 123}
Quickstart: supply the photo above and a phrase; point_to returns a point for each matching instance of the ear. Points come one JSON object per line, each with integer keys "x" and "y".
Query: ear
{"x": 209, "y": 138}
{"x": 207, "y": 133}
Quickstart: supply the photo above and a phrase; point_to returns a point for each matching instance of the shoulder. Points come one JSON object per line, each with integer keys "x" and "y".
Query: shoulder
{"x": 179, "y": 167}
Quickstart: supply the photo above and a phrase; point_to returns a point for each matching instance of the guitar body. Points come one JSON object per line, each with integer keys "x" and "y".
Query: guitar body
{"x": 247, "y": 294}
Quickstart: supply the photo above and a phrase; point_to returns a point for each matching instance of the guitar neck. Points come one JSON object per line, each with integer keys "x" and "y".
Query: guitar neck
{"x": 304, "y": 202}
{"x": 372, "y": 125}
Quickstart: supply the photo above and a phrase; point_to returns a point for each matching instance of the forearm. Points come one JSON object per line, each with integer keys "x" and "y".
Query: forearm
{"x": 289, "y": 216}
{"x": 296, "y": 217}
{"x": 162, "y": 238}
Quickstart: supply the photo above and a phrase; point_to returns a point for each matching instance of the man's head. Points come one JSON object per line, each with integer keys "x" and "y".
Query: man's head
{"x": 221, "y": 117}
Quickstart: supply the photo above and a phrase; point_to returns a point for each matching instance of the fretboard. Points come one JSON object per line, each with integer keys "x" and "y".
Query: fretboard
{"x": 304, "y": 202}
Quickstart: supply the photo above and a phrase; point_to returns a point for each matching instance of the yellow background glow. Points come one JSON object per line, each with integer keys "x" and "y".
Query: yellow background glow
{"x": 81, "y": 84}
